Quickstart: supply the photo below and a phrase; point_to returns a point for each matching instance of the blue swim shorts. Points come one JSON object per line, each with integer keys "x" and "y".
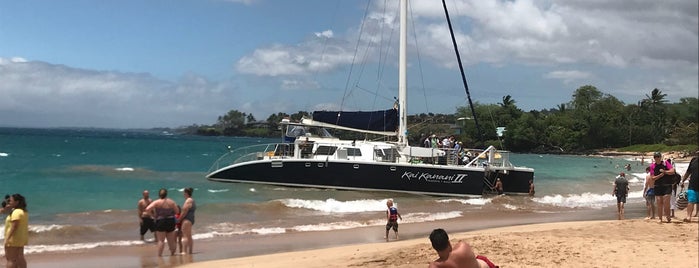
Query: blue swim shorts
{"x": 692, "y": 196}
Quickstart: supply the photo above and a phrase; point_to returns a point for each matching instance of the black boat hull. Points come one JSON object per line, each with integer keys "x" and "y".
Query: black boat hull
{"x": 409, "y": 178}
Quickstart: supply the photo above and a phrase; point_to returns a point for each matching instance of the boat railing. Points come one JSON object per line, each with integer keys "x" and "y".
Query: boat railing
{"x": 493, "y": 158}
{"x": 253, "y": 152}
{"x": 490, "y": 157}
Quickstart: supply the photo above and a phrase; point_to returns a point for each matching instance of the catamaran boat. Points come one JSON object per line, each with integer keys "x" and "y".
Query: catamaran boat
{"x": 309, "y": 156}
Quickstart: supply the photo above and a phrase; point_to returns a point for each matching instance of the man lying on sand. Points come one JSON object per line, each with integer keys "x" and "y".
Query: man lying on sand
{"x": 460, "y": 256}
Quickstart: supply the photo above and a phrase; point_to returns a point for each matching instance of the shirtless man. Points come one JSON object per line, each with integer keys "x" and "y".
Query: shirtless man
{"x": 460, "y": 256}
{"x": 145, "y": 219}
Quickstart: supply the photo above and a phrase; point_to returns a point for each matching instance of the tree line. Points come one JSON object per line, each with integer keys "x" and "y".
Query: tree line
{"x": 590, "y": 120}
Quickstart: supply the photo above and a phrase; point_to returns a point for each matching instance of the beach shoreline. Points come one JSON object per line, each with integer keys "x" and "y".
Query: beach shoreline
{"x": 560, "y": 244}
{"x": 297, "y": 249}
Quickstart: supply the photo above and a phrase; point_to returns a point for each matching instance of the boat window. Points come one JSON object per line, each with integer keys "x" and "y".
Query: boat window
{"x": 390, "y": 154}
{"x": 295, "y": 131}
{"x": 325, "y": 150}
{"x": 354, "y": 152}
{"x": 378, "y": 152}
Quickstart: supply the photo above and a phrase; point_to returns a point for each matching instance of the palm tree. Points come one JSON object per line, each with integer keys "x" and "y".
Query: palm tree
{"x": 656, "y": 98}
{"x": 655, "y": 103}
{"x": 561, "y": 107}
{"x": 507, "y": 101}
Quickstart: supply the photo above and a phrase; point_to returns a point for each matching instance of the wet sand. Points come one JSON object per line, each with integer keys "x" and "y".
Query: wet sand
{"x": 523, "y": 243}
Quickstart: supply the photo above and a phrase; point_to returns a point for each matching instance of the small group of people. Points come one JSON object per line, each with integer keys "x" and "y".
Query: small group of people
{"x": 168, "y": 221}
{"x": 16, "y": 229}
{"x": 453, "y": 148}
{"x": 660, "y": 188}
{"x": 459, "y": 256}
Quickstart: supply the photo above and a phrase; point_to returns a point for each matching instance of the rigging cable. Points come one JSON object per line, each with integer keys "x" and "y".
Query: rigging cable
{"x": 419, "y": 61}
{"x": 461, "y": 68}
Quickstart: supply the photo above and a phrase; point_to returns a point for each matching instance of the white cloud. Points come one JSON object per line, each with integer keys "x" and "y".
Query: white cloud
{"x": 319, "y": 54}
{"x": 568, "y": 76}
{"x": 325, "y": 34}
{"x": 289, "y": 84}
{"x": 245, "y": 2}
{"x": 56, "y": 95}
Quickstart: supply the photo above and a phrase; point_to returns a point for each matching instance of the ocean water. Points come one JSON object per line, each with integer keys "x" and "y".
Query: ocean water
{"x": 82, "y": 187}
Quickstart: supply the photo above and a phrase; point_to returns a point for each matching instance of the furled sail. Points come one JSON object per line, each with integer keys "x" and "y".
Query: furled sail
{"x": 386, "y": 120}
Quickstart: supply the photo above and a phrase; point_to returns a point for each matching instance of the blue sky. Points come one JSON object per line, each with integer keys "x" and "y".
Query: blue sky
{"x": 140, "y": 64}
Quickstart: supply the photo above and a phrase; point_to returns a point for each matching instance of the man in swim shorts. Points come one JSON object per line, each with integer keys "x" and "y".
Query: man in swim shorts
{"x": 460, "y": 256}
{"x": 621, "y": 191}
{"x": 145, "y": 219}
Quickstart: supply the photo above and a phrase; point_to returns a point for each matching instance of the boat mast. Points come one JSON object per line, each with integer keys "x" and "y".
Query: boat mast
{"x": 461, "y": 68}
{"x": 402, "y": 77}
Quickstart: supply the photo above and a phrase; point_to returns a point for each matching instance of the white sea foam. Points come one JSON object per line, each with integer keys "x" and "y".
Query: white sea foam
{"x": 38, "y": 228}
{"x": 124, "y": 169}
{"x": 78, "y": 246}
{"x": 218, "y": 191}
{"x": 589, "y": 200}
{"x": 44, "y": 228}
{"x": 471, "y": 201}
{"x": 510, "y": 207}
{"x": 269, "y": 230}
{"x": 230, "y": 229}
{"x": 4, "y": 154}
{"x": 332, "y": 205}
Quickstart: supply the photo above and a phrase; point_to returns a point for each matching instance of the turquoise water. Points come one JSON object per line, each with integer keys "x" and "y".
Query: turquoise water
{"x": 82, "y": 187}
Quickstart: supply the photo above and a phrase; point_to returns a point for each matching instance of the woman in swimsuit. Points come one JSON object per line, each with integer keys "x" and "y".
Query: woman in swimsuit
{"x": 187, "y": 220}
{"x": 165, "y": 210}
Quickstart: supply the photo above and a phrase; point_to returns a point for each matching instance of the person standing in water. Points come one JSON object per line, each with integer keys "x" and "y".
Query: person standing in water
{"x": 392, "y": 217}
{"x": 16, "y": 231}
{"x": 145, "y": 219}
{"x": 621, "y": 191}
{"x": 165, "y": 210}
{"x": 187, "y": 220}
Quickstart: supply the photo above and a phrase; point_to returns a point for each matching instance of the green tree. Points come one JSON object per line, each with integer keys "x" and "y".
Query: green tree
{"x": 655, "y": 107}
{"x": 231, "y": 123}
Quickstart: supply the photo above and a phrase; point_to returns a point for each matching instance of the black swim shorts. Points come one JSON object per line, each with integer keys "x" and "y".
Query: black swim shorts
{"x": 165, "y": 225}
{"x": 147, "y": 224}
{"x": 392, "y": 224}
{"x": 661, "y": 190}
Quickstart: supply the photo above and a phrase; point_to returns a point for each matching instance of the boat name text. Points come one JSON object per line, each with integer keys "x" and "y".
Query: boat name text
{"x": 429, "y": 177}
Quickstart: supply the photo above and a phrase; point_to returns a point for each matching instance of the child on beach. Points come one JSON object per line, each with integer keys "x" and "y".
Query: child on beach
{"x": 392, "y": 217}
{"x": 178, "y": 229}
{"x": 649, "y": 195}
{"x": 621, "y": 190}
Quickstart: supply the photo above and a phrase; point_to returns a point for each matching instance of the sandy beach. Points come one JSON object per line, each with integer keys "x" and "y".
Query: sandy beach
{"x": 510, "y": 238}
{"x": 627, "y": 243}
{"x": 596, "y": 243}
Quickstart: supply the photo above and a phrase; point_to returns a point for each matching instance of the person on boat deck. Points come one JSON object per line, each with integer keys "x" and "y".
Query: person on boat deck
{"x": 460, "y": 255}
{"x": 434, "y": 141}
{"x": 446, "y": 143}
{"x": 427, "y": 143}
